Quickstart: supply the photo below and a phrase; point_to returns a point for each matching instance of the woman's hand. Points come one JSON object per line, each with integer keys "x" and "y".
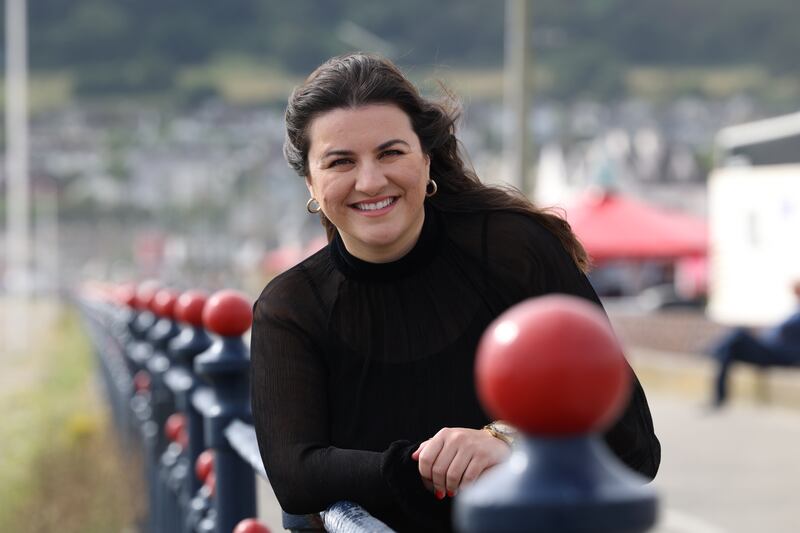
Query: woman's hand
{"x": 455, "y": 457}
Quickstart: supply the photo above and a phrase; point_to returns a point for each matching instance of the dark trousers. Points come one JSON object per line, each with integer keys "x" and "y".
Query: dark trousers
{"x": 741, "y": 345}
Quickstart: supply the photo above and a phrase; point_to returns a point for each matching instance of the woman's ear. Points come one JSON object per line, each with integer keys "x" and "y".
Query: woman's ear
{"x": 309, "y": 186}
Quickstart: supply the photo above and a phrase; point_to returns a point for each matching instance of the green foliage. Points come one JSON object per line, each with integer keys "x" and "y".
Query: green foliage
{"x": 60, "y": 468}
{"x": 129, "y": 46}
{"x": 584, "y": 72}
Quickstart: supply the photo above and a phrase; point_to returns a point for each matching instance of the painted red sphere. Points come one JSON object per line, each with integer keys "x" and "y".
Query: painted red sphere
{"x": 204, "y": 464}
{"x": 164, "y": 303}
{"x": 141, "y": 381}
{"x": 211, "y": 483}
{"x": 228, "y": 313}
{"x": 250, "y": 525}
{"x": 189, "y": 307}
{"x": 552, "y": 366}
{"x": 174, "y": 426}
{"x": 126, "y": 295}
{"x": 145, "y": 293}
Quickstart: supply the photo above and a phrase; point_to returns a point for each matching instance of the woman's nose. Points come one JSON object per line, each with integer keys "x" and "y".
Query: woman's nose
{"x": 370, "y": 179}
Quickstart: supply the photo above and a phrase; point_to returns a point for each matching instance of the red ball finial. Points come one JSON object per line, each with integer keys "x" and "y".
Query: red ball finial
{"x": 228, "y": 313}
{"x": 211, "y": 483}
{"x": 126, "y": 294}
{"x": 552, "y": 366}
{"x": 250, "y": 525}
{"x": 164, "y": 303}
{"x": 141, "y": 381}
{"x": 189, "y": 307}
{"x": 204, "y": 464}
{"x": 145, "y": 293}
{"x": 174, "y": 426}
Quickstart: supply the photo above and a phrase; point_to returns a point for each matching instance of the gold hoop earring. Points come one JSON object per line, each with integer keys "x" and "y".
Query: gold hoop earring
{"x": 431, "y": 188}
{"x": 312, "y": 205}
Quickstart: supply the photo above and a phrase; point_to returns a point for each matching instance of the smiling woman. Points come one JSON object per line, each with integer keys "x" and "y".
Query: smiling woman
{"x": 363, "y": 354}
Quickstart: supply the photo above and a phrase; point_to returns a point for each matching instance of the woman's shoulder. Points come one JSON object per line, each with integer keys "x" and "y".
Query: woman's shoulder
{"x": 521, "y": 225}
{"x": 518, "y": 244}
{"x": 298, "y": 287}
{"x": 501, "y": 231}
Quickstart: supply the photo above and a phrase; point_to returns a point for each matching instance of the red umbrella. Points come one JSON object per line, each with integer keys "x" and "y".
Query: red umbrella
{"x": 614, "y": 227}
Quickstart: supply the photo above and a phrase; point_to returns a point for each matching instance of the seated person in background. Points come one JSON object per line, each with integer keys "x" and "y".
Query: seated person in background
{"x": 777, "y": 346}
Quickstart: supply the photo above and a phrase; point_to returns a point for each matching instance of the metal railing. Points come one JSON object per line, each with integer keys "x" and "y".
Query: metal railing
{"x": 176, "y": 389}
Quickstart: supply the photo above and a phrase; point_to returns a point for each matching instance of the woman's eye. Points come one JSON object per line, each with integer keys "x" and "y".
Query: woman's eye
{"x": 339, "y": 162}
{"x": 388, "y": 153}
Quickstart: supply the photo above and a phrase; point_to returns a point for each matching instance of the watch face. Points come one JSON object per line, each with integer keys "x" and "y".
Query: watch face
{"x": 504, "y": 429}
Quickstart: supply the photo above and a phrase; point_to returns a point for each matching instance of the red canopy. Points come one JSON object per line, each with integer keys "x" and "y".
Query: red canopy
{"x": 613, "y": 227}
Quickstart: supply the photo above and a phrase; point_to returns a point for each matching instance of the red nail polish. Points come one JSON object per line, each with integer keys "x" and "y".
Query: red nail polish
{"x": 439, "y": 494}
{"x": 451, "y": 493}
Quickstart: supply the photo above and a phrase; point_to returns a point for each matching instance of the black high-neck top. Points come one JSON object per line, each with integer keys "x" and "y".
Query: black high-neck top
{"x": 355, "y": 363}
{"x": 421, "y": 255}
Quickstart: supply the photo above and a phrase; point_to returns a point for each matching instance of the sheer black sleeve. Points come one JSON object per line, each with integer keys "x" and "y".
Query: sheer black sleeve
{"x": 550, "y": 269}
{"x": 290, "y": 411}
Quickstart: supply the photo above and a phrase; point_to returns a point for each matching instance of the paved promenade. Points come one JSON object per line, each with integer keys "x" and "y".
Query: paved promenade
{"x": 734, "y": 471}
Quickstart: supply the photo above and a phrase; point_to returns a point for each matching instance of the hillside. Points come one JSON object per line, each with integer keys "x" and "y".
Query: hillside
{"x": 580, "y": 46}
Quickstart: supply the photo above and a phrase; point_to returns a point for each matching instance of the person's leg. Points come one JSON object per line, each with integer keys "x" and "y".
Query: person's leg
{"x": 738, "y": 345}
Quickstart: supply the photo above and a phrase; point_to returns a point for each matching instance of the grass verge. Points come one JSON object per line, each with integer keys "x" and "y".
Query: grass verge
{"x": 61, "y": 468}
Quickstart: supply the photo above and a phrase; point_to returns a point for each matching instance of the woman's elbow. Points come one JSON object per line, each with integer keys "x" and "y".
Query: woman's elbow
{"x": 295, "y": 500}
{"x": 296, "y": 492}
{"x": 647, "y": 461}
{"x": 654, "y": 461}
{"x": 294, "y": 503}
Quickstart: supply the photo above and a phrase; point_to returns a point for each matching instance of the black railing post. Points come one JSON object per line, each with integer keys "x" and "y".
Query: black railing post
{"x": 161, "y": 405}
{"x": 552, "y": 367}
{"x": 181, "y": 380}
{"x": 163, "y": 331}
{"x": 225, "y": 366}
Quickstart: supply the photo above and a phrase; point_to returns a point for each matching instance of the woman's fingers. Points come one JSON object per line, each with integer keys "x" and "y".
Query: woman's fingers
{"x": 456, "y": 471}
{"x": 415, "y": 455}
{"x": 473, "y": 471}
{"x": 427, "y": 456}
{"x": 442, "y": 464}
{"x": 455, "y": 457}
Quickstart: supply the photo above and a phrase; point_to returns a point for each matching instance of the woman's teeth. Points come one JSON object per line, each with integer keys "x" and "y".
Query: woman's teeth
{"x": 376, "y": 206}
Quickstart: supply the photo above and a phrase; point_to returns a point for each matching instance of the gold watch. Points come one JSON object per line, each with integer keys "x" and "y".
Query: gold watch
{"x": 502, "y": 430}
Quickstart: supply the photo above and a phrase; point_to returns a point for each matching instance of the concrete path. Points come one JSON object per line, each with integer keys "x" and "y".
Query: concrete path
{"x": 735, "y": 470}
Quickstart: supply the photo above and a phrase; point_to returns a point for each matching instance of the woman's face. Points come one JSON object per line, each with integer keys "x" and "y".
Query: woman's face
{"x": 368, "y": 172}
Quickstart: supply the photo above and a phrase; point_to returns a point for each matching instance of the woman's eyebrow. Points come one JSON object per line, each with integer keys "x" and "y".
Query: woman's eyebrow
{"x": 387, "y": 144}
{"x": 336, "y": 152}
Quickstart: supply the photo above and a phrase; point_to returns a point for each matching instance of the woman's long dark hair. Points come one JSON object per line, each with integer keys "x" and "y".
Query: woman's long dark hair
{"x": 358, "y": 79}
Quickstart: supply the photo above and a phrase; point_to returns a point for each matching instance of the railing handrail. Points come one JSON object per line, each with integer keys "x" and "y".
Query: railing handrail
{"x": 348, "y": 517}
{"x": 242, "y": 438}
{"x": 340, "y": 517}
{"x": 100, "y": 316}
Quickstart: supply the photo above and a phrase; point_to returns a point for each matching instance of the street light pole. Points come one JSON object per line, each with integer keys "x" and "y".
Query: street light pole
{"x": 17, "y": 180}
{"x": 516, "y": 94}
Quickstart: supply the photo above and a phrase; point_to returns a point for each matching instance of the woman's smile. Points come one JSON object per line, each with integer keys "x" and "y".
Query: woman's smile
{"x": 376, "y": 207}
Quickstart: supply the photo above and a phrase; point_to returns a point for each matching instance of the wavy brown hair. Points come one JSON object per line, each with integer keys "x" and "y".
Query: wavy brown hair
{"x": 358, "y": 79}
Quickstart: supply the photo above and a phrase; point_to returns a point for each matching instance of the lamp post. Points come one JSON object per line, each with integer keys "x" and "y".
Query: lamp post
{"x": 17, "y": 181}
{"x": 516, "y": 94}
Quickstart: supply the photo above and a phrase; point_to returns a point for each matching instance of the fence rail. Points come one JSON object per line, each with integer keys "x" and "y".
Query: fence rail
{"x": 177, "y": 388}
